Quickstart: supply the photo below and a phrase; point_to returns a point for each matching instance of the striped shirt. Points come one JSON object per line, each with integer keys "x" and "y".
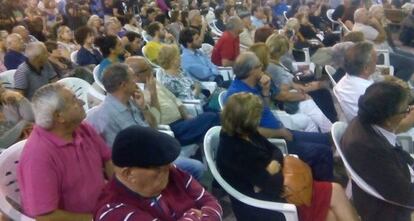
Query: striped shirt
{"x": 175, "y": 203}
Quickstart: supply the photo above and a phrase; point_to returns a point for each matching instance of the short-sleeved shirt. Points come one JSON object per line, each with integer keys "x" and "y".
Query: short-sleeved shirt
{"x": 12, "y": 59}
{"x": 227, "y": 47}
{"x": 57, "y": 174}
{"x": 279, "y": 75}
{"x": 268, "y": 120}
{"x": 28, "y": 79}
{"x": 111, "y": 116}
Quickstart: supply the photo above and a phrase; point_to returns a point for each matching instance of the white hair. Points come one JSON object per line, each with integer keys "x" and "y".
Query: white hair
{"x": 35, "y": 49}
{"x": 45, "y": 102}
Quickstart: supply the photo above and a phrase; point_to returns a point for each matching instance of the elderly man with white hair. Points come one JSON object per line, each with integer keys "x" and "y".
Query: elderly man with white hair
{"x": 61, "y": 169}
{"x": 35, "y": 72}
{"x": 368, "y": 22}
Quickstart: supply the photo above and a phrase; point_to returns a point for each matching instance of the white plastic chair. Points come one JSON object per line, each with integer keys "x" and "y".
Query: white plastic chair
{"x": 285, "y": 16}
{"x": 329, "y": 13}
{"x": 226, "y": 72}
{"x": 214, "y": 28}
{"x": 386, "y": 55}
{"x": 74, "y": 56}
{"x": 330, "y": 71}
{"x": 96, "y": 78}
{"x": 207, "y": 49}
{"x": 79, "y": 87}
{"x": 7, "y": 78}
{"x": 338, "y": 130}
{"x": 211, "y": 141}
{"x": 9, "y": 189}
{"x": 221, "y": 99}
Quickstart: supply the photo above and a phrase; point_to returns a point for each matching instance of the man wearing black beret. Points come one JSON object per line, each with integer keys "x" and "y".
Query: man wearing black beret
{"x": 147, "y": 187}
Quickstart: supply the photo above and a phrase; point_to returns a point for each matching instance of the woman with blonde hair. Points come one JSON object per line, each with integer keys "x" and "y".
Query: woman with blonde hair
{"x": 172, "y": 76}
{"x": 253, "y": 166}
{"x": 95, "y": 23}
{"x": 65, "y": 41}
{"x": 294, "y": 96}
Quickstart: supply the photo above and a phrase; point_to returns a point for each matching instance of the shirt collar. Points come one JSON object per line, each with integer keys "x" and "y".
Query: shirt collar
{"x": 115, "y": 104}
{"x": 59, "y": 142}
{"x": 193, "y": 52}
{"x": 360, "y": 80}
{"x": 390, "y": 136}
{"x": 241, "y": 84}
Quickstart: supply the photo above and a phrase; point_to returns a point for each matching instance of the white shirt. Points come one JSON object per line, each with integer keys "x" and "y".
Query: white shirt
{"x": 347, "y": 92}
{"x": 390, "y": 136}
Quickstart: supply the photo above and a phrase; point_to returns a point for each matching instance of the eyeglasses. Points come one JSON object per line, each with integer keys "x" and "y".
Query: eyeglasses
{"x": 406, "y": 111}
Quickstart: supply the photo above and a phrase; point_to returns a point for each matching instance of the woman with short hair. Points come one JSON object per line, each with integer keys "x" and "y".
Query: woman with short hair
{"x": 370, "y": 147}
{"x": 253, "y": 166}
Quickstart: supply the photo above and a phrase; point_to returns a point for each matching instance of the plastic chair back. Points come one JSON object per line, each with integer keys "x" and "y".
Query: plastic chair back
{"x": 9, "y": 188}
{"x": 74, "y": 57}
{"x": 79, "y": 87}
{"x": 95, "y": 73}
{"x": 211, "y": 141}
{"x": 330, "y": 71}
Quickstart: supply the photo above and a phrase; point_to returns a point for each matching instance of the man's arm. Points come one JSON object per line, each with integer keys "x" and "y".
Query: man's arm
{"x": 276, "y": 133}
{"x": 61, "y": 215}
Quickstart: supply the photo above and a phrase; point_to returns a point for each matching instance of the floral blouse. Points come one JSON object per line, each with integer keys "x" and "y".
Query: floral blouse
{"x": 180, "y": 86}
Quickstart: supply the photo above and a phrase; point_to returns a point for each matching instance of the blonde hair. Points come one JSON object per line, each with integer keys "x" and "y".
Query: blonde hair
{"x": 262, "y": 52}
{"x": 242, "y": 114}
{"x": 60, "y": 31}
{"x": 292, "y": 24}
{"x": 278, "y": 45}
{"x": 166, "y": 55}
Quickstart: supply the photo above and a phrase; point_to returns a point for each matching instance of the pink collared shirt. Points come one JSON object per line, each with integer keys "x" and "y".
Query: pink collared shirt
{"x": 55, "y": 174}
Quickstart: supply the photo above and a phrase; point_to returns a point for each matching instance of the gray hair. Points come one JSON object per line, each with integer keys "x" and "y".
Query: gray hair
{"x": 45, "y": 102}
{"x": 35, "y": 49}
{"x": 113, "y": 76}
{"x": 244, "y": 64}
{"x": 233, "y": 23}
{"x": 358, "y": 57}
{"x": 374, "y": 8}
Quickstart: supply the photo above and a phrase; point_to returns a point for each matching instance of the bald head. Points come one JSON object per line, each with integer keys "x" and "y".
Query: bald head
{"x": 15, "y": 42}
{"x": 244, "y": 64}
{"x": 142, "y": 70}
{"x": 361, "y": 15}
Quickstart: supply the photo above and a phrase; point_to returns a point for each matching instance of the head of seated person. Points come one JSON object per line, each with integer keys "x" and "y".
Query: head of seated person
{"x": 142, "y": 159}
{"x": 156, "y": 31}
{"x": 15, "y": 42}
{"x": 118, "y": 80}
{"x": 262, "y": 33}
{"x": 278, "y": 45}
{"x": 134, "y": 43}
{"x": 388, "y": 113}
{"x": 190, "y": 38}
{"x": 142, "y": 70}
{"x": 85, "y": 36}
{"x": 169, "y": 57}
{"x": 110, "y": 46}
{"x": 361, "y": 60}
{"x": 262, "y": 52}
{"x": 354, "y": 36}
{"x": 37, "y": 55}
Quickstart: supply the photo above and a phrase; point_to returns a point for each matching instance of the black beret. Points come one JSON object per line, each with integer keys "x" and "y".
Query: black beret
{"x": 138, "y": 146}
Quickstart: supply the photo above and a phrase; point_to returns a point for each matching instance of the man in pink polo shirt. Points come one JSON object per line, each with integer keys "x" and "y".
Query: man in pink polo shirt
{"x": 61, "y": 170}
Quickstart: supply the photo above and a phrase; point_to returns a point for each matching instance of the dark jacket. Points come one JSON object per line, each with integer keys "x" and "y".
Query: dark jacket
{"x": 383, "y": 167}
{"x": 243, "y": 165}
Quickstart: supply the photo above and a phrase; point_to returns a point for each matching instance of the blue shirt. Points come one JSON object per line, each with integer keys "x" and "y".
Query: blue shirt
{"x": 86, "y": 57}
{"x": 268, "y": 120}
{"x": 257, "y": 23}
{"x": 111, "y": 116}
{"x": 103, "y": 65}
{"x": 198, "y": 65}
{"x": 12, "y": 59}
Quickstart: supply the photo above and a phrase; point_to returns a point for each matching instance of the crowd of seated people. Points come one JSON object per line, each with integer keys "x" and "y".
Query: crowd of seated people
{"x": 122, "y": 156}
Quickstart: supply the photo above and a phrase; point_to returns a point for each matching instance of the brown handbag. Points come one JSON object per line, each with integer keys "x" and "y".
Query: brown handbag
{"x": 297, "y": 181}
